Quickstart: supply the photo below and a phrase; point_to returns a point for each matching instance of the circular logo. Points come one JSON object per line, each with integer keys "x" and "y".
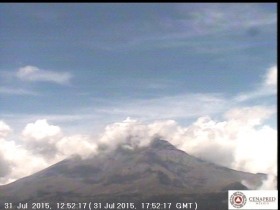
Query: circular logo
{"x": 238, "y": 200}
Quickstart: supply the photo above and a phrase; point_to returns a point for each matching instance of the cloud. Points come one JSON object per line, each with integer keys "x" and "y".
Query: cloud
{"x": 190, "y": 21}
{"x": 16, "y": 91}
{"x": 256, "y": 143}
{"x": 40, "y": 137}
{"x": 241, "y": 141}
{"x": 4, "y": 129}
{"x": 41, "y": 145}
{"x": 248, "y": 116}
{"x": 267, "y": 87}
{"x": 49, "y": 141}
{"x": 4, "y": 166}
{"x": 223, "y": 16}
{"x": 234, "y": 142}
{"x": 181, "y": 107}
{"x": 271, "y": 77}
{"x": 169, "y": 107}
{"x": 269, "y": 183}
{"x": 15, "y": 159}
{"x": 76, "y": 144}
{"x": 34, "y": 74}
{"x": 128, "y": 132}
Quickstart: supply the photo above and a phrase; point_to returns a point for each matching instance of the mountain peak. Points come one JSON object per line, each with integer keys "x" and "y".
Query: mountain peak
{"x": 162, "y": 144}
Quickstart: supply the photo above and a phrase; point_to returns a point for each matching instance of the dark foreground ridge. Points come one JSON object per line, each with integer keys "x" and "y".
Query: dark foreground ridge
{"x": 129, "y": 179}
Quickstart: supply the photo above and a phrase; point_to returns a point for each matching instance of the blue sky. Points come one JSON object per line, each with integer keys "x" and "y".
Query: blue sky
{"x": 202, "y": 76}
{"x": 93, "y": 64}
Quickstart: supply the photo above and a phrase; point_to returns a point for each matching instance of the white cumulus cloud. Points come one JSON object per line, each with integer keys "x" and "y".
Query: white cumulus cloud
{"x": 41, "y": 137}
{"x": 42, "y": 145}
{"x": 41, "y": 130}
{"x": 17, "y": 161}
{"x": 49, "y": 140}
{"x": 4, "y": 129}
{"x": 76, "y": 144}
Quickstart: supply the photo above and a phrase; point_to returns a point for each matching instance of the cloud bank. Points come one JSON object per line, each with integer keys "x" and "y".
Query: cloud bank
{"x": 240, "y": 142}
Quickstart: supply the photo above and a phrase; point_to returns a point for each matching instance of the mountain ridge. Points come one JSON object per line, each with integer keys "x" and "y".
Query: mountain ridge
{"x": 144, "y": 173}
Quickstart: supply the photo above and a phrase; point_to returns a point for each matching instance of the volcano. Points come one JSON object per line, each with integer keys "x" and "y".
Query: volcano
{"x": 158, "y": 173}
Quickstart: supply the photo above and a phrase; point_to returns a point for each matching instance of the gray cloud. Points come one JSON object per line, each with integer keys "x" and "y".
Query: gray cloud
{"x": 189, "y": 21}
{"x": 5, "y": 166}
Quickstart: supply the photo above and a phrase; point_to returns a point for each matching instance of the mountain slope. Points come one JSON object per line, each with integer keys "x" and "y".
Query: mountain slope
{"x": 157, "y": 172}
